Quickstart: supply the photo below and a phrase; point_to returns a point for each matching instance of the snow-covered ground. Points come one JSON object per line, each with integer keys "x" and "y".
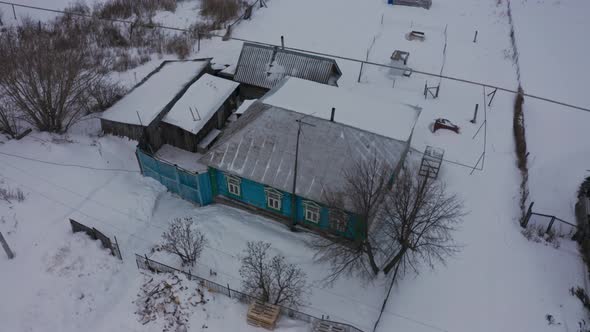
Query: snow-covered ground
{"x": 498, "y": 282}
{"x": 554, "y": 66}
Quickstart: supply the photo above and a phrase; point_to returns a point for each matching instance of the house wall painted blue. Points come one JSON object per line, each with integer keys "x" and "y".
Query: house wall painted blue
{"x": 201, "y": 188}
{"x": 255, "y": 194}
{"x": 191, "y": 186}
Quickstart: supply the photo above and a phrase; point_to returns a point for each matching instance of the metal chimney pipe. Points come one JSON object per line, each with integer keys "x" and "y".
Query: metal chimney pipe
{"x": 332, "y": 116}
{"x": 282, "y": 42}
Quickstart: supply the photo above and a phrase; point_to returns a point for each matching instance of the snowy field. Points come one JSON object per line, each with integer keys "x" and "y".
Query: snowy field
{"x": 498, "y": 282}
{"x": 554, "y": 66}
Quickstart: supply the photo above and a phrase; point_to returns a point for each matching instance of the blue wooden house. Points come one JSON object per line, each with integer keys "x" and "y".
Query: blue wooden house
{"x": 253, "y": 164}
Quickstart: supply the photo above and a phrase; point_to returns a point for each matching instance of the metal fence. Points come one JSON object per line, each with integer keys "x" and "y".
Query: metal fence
{"x": 548, "y": 223}
{"x": 145, "y": 263}
{"x": 246, "y": 15}
{"x": 94, "y": 233}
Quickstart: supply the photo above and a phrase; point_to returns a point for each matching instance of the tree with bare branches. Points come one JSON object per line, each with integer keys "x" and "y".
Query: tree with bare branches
{"x": 48, "y": 71}
{"x": 271, "y": 279}
{"x": 183, "y": 240}
{"x": 407, "y": 219}
{"x": 365, "y": 186}
{"x": 417, "y": 222}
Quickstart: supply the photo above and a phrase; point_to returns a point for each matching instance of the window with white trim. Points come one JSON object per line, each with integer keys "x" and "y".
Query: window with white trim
{"x": 234, "y": 185}
{"x": 311, "y": 212}
{"x": 273, "y": 199}
{"x": 338, "y": 221}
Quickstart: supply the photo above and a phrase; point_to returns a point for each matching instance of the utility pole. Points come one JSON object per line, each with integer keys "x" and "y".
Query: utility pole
{"x": 293, "y": 197}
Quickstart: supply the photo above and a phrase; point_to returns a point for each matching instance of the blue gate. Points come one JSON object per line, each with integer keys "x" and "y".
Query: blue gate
{"x": 191, "y": 186}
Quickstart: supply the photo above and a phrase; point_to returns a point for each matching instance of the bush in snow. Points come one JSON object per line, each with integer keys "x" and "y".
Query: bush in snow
{"x": 127, "y": 8}
{"x": 221, "y": 11}
{"x": 179, "y": 45}
{"x": 105, "y": 94}
{"x": 183, "y": 240}
{"x": 7, "y": 194}
{"x": 271, "y": 279}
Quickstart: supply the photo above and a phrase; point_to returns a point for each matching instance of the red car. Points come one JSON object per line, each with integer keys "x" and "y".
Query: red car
{"x": 444, "y": 124}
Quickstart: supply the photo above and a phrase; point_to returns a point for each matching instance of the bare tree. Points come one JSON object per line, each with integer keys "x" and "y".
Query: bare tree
{"x": 8, "y": 118}
{"x": 417, "y": 222}
{"x": 182, "y": 240}
{"x": 48, "y": 70}
{"x": 272, "y": 280}
{"x": 365, "y": 186}
{"x": 406, "y": 221}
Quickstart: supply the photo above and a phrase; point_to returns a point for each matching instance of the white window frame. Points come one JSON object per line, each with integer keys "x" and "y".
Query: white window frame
{"x": 274, "y": 199}
{"x": 234, "y": 185}
{"x": 338, "y": 221}
{"x": 311, "y": 212}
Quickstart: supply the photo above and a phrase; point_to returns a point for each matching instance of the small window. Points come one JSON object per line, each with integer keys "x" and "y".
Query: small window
{"x": 233, "y": 185}
{"x": 338, "y": 221}
{"x": 273, "y": 199}
{"x": 312, "y": 212}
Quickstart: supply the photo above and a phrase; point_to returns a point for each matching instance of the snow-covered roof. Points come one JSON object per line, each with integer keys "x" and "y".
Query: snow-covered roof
{"x": 265, "y": 66}
{"x": 203, "y": 98}
{"x": 155, "y": 93}
{"x": 364, "y": 107}
{"x": 245, "y": 105}
{"x": 260, "y": 146}
{"x": 181, "y": 158}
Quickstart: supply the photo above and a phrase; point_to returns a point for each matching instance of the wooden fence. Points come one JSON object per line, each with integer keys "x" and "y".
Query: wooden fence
{"x": 95, "y": 234}
{"x": 145, "y": 263}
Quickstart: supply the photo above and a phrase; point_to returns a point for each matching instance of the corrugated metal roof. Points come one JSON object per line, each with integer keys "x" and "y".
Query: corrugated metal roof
{"x": 265, "y": 66}
{"x": 260, "y": 146}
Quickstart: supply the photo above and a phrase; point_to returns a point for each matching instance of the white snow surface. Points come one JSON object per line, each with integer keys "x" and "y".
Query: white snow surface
{"x": 245, "y": 105}
{"x": 182, "y": 158}
{"x": 150, "y": 98}
{"x": 204, "y": 97}
{"x": 498, "y": 282}
{"x": 381, "y": 114}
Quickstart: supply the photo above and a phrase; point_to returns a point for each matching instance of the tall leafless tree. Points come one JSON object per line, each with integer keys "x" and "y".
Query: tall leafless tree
{"x": 271, "y": 279}
{"x": 407, "y": 219}
{"x": 48, "y": 71}
{"x": 183, "y": 240}
{"x": 365, "y": 186}
{"x": 417, "y": 222}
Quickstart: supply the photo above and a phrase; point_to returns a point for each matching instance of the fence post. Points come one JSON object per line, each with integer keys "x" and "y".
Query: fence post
{"x": 228, "y": 291}
{"x": 360, "y": 72}
{"x": 14, "y": 12}
{"x": 550, "y": 224}
{"x": 147, "y": 262}
{"x": 529, "y": 212}
{"x": 118, "y": 249}
{"x": 9, "y": 252}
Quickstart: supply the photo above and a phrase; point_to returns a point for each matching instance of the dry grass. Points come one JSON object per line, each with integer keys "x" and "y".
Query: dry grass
{"x": 9, "y": 195}
{"x": 128, "y": 8}
{"x": 221, "y": 11}
{"x": 521, "y": 149}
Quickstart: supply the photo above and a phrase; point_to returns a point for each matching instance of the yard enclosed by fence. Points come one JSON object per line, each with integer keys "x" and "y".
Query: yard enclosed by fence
{"x": 194, "y": 187}
{"x": 548, "y": 223}
{"x": 145, "y": 263}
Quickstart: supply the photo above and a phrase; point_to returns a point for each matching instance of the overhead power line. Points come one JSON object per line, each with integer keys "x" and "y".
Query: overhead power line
{"x": 118, "y": 228}
{"x": 446, "y": 77}
{"x": 69, "y": 165}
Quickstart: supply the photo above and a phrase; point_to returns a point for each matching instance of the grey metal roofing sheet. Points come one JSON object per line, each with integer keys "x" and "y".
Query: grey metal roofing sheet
{"x": 265, "y": 66}
{"x": 260, "y": 146}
